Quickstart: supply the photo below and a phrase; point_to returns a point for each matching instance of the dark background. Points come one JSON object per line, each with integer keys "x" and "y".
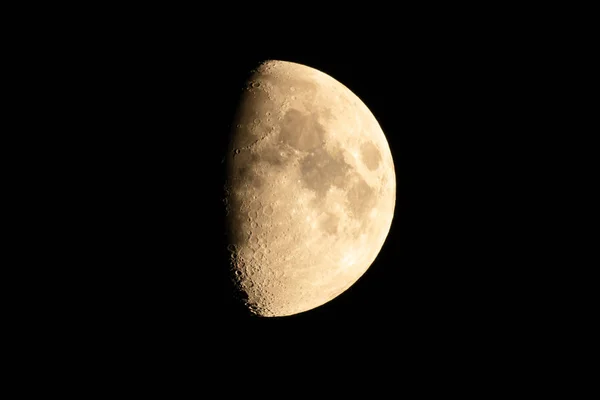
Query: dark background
{"x": 156, "y": 108}
{"x": 125, "y": 115}
{"x": 443, "y": 111}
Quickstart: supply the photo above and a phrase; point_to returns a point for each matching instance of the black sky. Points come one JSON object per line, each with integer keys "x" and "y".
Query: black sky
{"x": 134, "y": 105}
{"x": 446, "y": 105}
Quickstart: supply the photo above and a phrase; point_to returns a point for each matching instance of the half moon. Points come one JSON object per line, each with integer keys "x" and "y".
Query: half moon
{"x": 311, "y": 189}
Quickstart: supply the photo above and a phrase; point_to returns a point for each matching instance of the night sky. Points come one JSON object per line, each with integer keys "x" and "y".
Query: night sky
{"x": 143, "y": 104}
{"x": 442, "y": 104}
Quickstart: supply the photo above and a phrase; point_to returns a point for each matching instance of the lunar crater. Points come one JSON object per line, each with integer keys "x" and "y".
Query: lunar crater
{"x": 276, "y": 155}
{"x": 250, "y": 176}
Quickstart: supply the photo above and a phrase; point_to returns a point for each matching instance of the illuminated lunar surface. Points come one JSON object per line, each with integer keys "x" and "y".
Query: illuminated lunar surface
{"x": 311, "y": 189}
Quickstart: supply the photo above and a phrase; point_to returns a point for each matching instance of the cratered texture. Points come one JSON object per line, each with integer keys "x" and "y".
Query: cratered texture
{"x": 311, "y": 189}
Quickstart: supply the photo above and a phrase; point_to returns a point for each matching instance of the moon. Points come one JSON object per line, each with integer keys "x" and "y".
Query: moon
{"x": 310, "y": 190}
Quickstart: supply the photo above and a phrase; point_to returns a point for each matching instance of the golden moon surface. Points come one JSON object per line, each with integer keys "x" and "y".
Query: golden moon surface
{"x": 311, "y": 189}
